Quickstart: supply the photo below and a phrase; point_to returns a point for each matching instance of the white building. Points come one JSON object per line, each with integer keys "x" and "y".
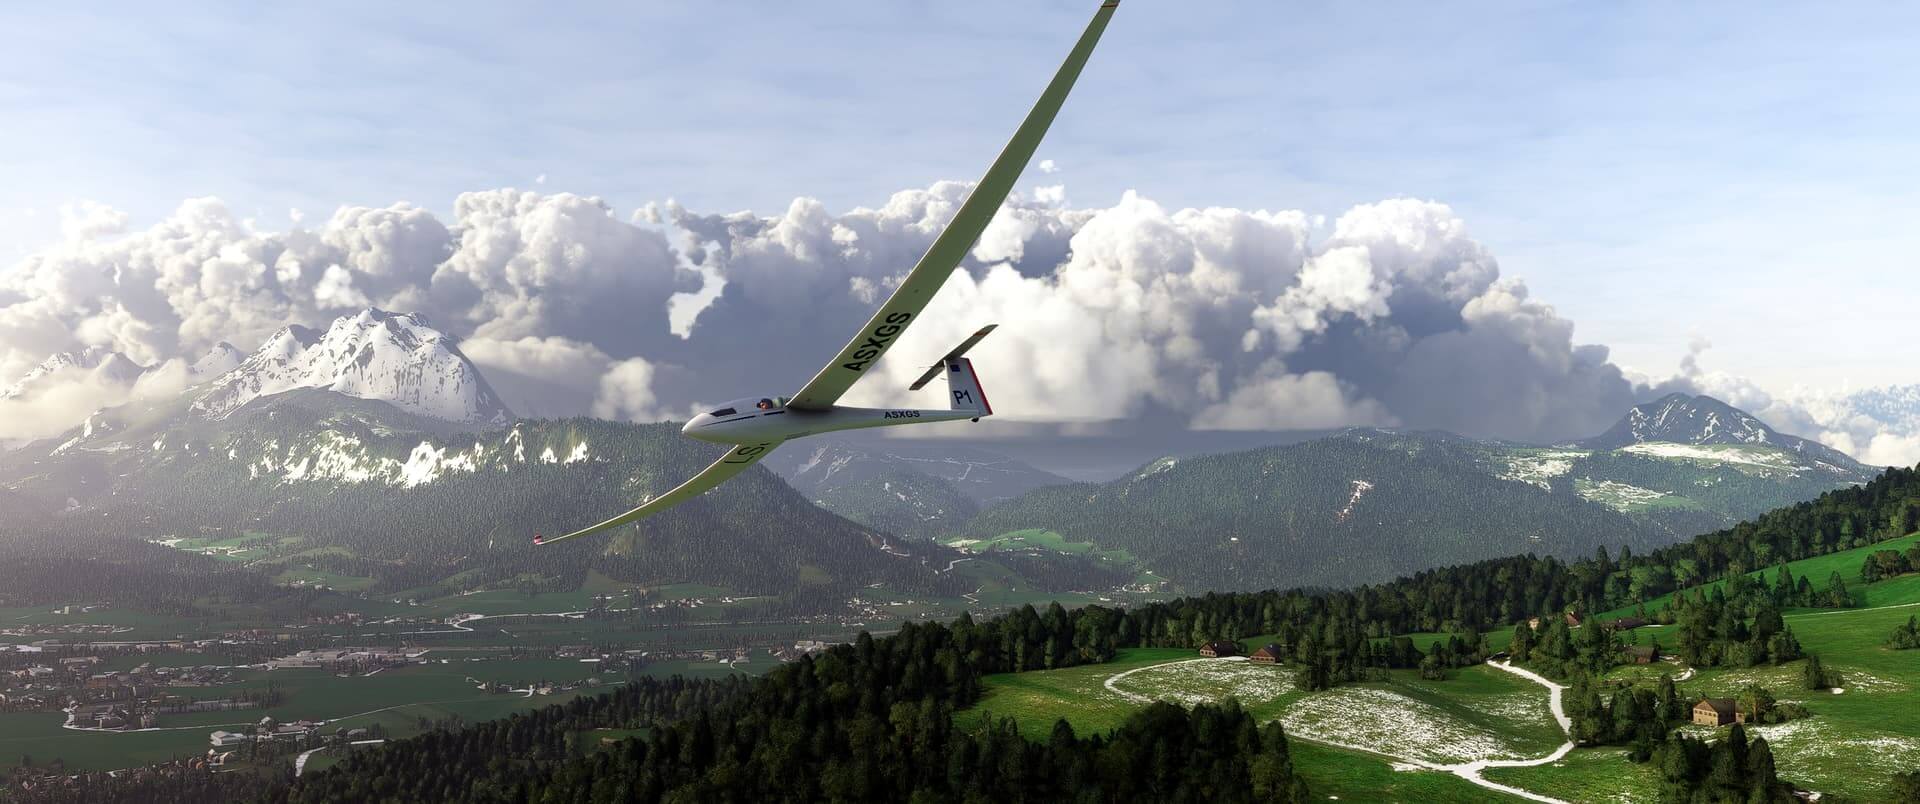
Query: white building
{"x": 222, "y": 739}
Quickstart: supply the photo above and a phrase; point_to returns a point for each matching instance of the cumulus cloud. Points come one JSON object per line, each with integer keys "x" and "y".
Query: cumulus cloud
{"x": 541, "y": 377}
{"x": 89, "y": 220}
{"x": 1216, "y": 318}
{"x": 626, "y": 392}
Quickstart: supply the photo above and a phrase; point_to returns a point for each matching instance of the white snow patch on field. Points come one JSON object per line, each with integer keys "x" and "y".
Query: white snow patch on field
{"x": 1387, "y": 722}
{"x": 1788, "y": 677}
{"x": 1520, "y": 708}
{"x": 1814, "y": 743}
{"x": 1201, "y": 681}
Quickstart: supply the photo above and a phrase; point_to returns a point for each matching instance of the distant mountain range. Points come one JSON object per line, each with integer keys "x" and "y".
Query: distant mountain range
{"x": 112, "y": 369}
{"x": 358, "y": 488}
{"x": 1368, "y": 505}
{"x": 378, "y": 447}
{"x": 1360, "y": 507}
{"x": 102, "y": 364}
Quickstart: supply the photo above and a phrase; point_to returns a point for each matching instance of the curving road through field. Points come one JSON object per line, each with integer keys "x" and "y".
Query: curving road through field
{"x": 1469, "y": 771}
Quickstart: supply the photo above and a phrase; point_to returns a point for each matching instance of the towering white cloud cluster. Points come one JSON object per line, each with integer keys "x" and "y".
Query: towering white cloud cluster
{"x": 1213, "y": 318}
{"x": 511, "y": 265}
{"x": 1390, "y": 314}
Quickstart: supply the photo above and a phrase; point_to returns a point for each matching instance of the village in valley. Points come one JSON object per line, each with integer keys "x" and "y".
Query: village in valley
{"x": 310, "y": 692}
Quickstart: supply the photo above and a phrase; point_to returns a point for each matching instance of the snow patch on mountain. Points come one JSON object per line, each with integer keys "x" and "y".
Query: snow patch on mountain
{"x": 1619, "y": 496}
{"x": 1769, "y": 459}
{"x": 1360, "y": 489}
{"x": 332, "y": 456}
{"x": 1539, "y": 469}
{"x": 378, "y": 355}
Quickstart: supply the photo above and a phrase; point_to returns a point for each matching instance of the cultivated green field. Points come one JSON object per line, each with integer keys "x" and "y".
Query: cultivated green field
{"x": 396, "y": 698}
{"x": 308, "y": 576}
{"x": 1043, "y": 540}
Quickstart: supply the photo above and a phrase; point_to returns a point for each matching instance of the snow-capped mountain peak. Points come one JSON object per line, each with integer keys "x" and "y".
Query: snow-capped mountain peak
{"x": 222, "y": 358}
{"x": 104, "y": 364}
{"x": 392, "y": 357}
{"x": 1683, "y": 419}
{"x": 1700, "y": 420}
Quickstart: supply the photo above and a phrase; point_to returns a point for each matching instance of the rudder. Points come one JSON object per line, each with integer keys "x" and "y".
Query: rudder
{"x": 963, "y": 388}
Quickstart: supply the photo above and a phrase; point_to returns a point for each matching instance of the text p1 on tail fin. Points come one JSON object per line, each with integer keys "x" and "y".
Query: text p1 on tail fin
{"x": 963, "y": 387}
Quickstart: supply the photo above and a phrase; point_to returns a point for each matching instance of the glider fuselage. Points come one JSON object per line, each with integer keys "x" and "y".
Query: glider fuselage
{"x": 746, "y": 422}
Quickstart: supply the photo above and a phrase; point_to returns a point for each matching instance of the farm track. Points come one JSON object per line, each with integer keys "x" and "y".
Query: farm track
{"x": 1470, "y": 771}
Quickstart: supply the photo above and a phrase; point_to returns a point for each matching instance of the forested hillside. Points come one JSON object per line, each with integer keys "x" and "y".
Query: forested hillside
{"x": 1332, "y": 512}
{"x": 916, "y": 490}
{"x": 901, "y": 502}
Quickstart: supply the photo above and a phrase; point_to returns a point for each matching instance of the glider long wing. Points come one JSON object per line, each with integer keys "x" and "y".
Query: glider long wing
{"x": 734, "y": 462}
{"x": 952, "y": 245}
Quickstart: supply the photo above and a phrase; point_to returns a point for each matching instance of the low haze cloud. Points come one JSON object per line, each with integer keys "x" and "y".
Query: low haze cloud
{"x": 1389, "y": 314}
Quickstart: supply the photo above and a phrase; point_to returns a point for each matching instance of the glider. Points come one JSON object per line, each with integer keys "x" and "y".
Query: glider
{"x": 756, "y": 426}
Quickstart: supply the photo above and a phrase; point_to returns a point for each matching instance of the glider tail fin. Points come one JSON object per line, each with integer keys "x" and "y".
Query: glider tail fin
{"x": 937, "y": 369}
{"x": 964, "y": 387}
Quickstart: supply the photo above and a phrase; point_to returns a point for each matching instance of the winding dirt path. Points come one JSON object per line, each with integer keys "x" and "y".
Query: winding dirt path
{"x": 1470, "y": 771}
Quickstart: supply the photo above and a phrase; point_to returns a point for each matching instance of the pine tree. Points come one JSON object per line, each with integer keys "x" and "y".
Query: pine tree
{"x": 1813, "y": 676}
{"x": 1521, "y": 645}
{"x": 1669, "y": 701}
{"x": 1760, "y": 767}
{"x": 1837, "y": 595}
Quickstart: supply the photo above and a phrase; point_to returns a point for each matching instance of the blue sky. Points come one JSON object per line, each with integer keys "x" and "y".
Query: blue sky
{"x": 1658, "y": 172}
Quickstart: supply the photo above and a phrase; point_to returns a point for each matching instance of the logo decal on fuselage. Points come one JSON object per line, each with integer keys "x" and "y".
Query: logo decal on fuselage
{"x": 902, "y": 414}
{"x": 747, "y": 454}
{"x": 878, "y": 340}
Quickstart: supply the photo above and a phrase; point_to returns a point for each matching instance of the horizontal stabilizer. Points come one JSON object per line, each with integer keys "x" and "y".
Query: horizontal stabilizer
{"x": 957, "y": 352}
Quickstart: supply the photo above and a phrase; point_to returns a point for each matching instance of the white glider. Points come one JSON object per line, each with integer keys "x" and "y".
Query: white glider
{"x": 755, "y": 426}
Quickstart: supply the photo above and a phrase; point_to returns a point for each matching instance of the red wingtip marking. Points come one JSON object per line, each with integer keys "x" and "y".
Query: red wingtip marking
{"x": 981, "y": 388}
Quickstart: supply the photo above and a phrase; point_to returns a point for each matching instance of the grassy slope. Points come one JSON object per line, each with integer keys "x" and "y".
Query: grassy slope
{"x": 1855, "y": 740}
{"x": 1587, "y": 774}
{"x": 1816, "y": 569}
{"x": 1078, "y": 694}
